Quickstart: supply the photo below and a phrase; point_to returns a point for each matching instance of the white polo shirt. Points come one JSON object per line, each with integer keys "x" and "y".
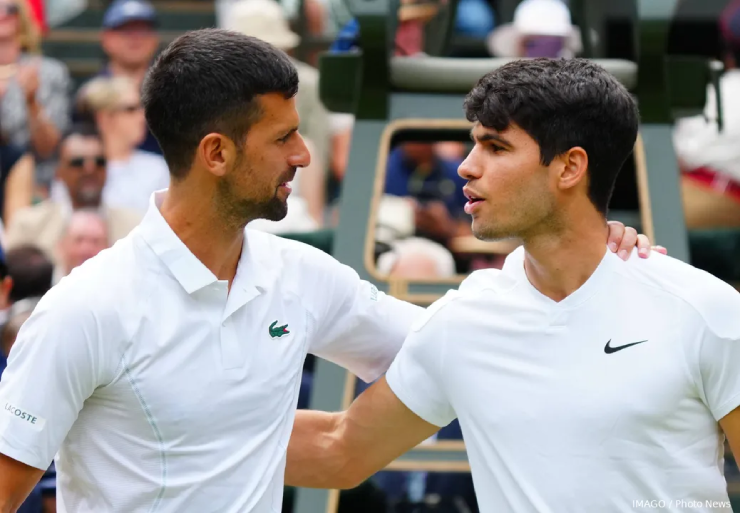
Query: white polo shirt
{"x": 163, "y": 392}
{"x": 606, "y": 402}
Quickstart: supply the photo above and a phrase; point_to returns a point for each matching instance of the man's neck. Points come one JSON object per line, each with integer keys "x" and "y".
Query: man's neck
{"x": 9, "y": 51}
{"x": 558, "y": 262}
{"x": 216, "y": 242}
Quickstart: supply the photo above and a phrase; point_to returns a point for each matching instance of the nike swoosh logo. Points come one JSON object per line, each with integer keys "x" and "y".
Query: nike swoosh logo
{"x": 608, "y": 349}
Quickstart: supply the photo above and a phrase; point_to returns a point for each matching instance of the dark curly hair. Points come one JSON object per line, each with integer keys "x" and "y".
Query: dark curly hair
{"x": 561, "y": 104}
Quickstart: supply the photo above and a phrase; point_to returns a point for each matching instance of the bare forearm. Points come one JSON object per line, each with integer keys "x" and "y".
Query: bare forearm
{"x": 315, "y": 458}
{"x": 16, "y": 482}
{"x": 341, "y": 450}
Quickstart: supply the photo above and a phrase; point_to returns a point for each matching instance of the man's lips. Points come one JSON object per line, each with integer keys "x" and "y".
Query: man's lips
{"x": 474, "y": 200}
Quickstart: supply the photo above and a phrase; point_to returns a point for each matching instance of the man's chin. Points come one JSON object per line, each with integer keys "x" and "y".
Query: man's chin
{"x": 489, "y": 234}
{"x": 275, "y": 211}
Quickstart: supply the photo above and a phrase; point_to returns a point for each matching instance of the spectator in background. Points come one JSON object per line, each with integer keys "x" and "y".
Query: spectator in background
{"x": 114, "y": 103}
{"x": 31, "y": 272}
{"x": 16, "y": 181}
{"x": 85, "y": 235}
{"x": 81, "y": 177}
{"x": 399, "y": 253}
{"x": 474, "y": 18}
{"x": 709, "y": 158}
{"x": 415, "y": 171}
{"x": 34, "y": 90}
{"x": 541, "y": 28}
{"x": 26, "y": 272}
{"x": 130, "y": 41}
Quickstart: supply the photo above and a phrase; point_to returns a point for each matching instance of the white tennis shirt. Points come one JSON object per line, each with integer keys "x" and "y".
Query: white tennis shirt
{"x": 161, "y": 392}
{"x": 606, "y": 402}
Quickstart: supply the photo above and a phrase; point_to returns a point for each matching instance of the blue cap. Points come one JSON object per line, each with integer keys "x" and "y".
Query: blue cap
{"x": 125, "y": 11}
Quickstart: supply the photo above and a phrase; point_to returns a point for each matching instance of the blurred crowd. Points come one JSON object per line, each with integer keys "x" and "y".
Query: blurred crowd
{"x": 78, "y": 164}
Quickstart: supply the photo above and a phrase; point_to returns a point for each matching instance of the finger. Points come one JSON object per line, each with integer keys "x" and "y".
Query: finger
{"x": 616, "y": 232}
{"x": 628, "y": 243}
{"x": 643, "y": 246}
{"x": 660, "y": 249}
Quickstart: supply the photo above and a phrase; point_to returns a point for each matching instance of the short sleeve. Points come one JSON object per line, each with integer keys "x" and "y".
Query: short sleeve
{"x": 417, "y": 376}
{"x": 53, "y": 367}
{"x": 356, "y": 326}
{"x": 719, "y": 364}
{"x": 718, "y": 351}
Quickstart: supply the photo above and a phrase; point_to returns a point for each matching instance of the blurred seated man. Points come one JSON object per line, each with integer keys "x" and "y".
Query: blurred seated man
{"x": 85, "y": 235}
{"x": 81, "y": 175}
{"x": 30, "y": 271}
{"x": 417, "y": 259}
{"x": 415, "y": 171}
{"x": 709, "y": 158}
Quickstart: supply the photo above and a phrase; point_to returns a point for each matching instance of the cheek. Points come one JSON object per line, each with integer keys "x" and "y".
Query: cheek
{"x": 505, "y": 181}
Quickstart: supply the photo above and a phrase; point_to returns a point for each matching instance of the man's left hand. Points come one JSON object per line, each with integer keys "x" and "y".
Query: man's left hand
{"x": 622, "y": 240}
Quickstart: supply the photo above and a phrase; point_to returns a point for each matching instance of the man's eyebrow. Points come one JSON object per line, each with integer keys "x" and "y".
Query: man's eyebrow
{"x": 488, "y": 137}
{"x": 288, "y": 132}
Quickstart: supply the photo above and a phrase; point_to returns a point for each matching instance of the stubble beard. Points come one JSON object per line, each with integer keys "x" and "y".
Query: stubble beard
{"x": 238, "y": 212}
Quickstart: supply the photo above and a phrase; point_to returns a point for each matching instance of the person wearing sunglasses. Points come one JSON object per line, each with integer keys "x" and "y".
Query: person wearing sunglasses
{"x": 114, "y": 104}
{"x": 34, "y": 90}
{"x": 80, "y": 179}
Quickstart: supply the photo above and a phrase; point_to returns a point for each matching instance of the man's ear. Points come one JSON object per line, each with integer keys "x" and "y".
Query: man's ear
{"x": 575, "y": 168}
{"x": 216, "y": 153}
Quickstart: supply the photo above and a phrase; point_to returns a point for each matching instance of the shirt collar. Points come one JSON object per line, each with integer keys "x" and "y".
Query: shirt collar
{"x": 253, "y": 270}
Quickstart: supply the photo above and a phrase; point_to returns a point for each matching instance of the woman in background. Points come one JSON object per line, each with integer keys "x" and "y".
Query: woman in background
{"x": 114, "y": 104}
{"x": 34, "y": 90}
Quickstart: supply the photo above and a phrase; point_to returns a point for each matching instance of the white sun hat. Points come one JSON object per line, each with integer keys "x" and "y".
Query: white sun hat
{"x": 536, "y": 18}
{"x": 263, "y": 19}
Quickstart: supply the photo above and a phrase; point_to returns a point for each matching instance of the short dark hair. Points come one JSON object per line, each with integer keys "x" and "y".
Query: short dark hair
{"x": 561, "y": 104}
{"x": 31, "y": 270}
{"x": 206, "y": 81}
